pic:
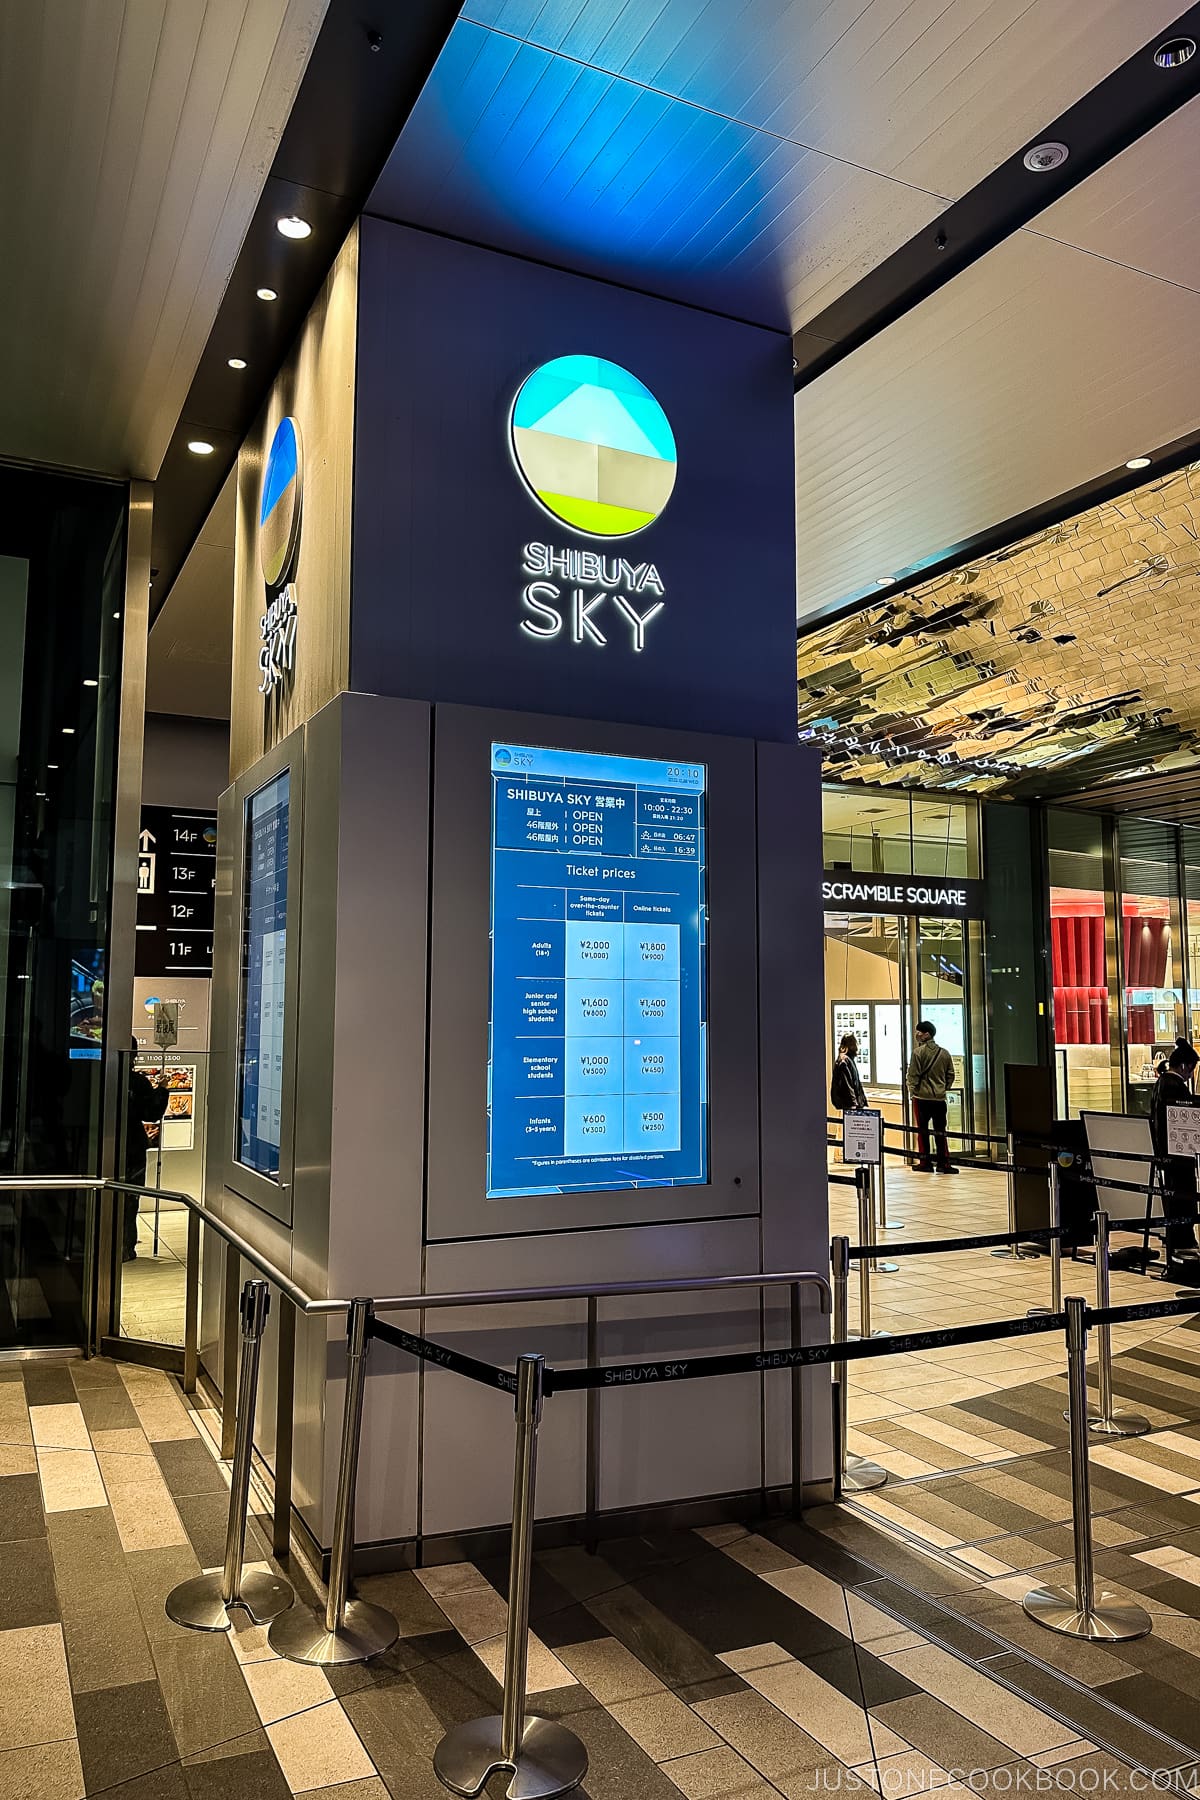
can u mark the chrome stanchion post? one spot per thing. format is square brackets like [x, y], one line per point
[545, 1758]
[348, 1630]
[1055, 1246]
[1106, 1420]
[854, 1474]
[888, 1224]
[1081, 1612]
[866, 1238]
[203, 1602]
[875, 1189]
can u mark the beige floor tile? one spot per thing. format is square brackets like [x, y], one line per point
[42, 1772]
[823, 1711]
[609, 1671]
[279, 1689]
[476, 1613]
[816, 1593]
[451, 1578]
[35, 1691]
[1046, 1759]
[319, 1748]
[907, 1772]
[59, 1427]
[247, 1640]
[145, 1514]
[1015, 1722]
[662, 1726]
[17, 1459]
[754, 1656]
[718, 1775]
[70, 1480]
[896, 1462]
[759, 1555]
[545, 1671]
[1167, 1481]
[872, 1627]
[127, 1440]
[14, 1414]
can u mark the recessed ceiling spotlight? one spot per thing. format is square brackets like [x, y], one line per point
[199, 447]
[1044, 157]
[1138, 462]
[89, 681]
[52, 765]
[293, 227]
[1175, 52]
[68, 731]
[267, 293]
[885, 581]
[237, 362]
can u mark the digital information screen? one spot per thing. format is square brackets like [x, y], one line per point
[264, 962]
[597, 1074]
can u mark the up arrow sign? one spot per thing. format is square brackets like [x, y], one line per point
[146, 840]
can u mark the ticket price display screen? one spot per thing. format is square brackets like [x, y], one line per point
[264, 962]
[597, 1074]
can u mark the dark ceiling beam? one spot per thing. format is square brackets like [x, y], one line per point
[1122, 108]
[368, 65]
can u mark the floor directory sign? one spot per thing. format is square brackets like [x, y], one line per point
[598, 1036]
[264, 961]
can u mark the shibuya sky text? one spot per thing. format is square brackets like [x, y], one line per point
[590, 596]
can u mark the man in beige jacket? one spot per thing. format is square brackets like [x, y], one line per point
[931, 1074]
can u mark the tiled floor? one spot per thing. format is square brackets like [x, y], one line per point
[875, 1646]
[915, 1414]
[152, 1286]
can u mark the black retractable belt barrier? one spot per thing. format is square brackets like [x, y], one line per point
[445, 1358]
[562, 1381]
[936, 1245]
[1153, 1309]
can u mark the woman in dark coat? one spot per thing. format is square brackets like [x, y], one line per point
[845, 1084]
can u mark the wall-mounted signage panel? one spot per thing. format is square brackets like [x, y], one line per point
[177, 865]
[598, 1055]
[928, 896]
[264, 973]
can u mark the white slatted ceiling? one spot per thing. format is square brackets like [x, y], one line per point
[1040, 368]
[135, 140]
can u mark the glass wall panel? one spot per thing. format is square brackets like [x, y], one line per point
[942, 999]
[1152, 1012]
[62, 595]
[944, 837]
[867, 831]
[1190, 858]
[1083, 965]
[864, 994]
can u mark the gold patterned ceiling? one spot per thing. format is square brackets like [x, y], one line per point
[1068, 659]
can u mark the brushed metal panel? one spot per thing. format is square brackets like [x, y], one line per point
[316, 387]
[708, 1435]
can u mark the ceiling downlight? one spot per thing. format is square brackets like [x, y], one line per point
[1045, 157]
[1174, 52]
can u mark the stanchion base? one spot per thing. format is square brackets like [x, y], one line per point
[551, 1759]
[1121, 1423]
[1013, 1252]
[861, 1474]
[855, 1336]
[301, 1634]
[1110, 1620]
[198, 1604]
[887, 1268]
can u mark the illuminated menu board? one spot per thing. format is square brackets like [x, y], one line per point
[264, 966]
[597, 1074]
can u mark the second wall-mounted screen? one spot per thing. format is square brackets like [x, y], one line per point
[598, 1047]
[264, 967]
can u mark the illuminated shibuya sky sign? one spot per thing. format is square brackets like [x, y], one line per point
[596, 451]
[278, 545]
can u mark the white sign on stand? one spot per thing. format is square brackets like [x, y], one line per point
[862, 1136]
[1183, 1130]
[166, 1024]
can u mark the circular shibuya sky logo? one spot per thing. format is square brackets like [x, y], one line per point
[594, 446]
[279, 510]
[278, 544]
